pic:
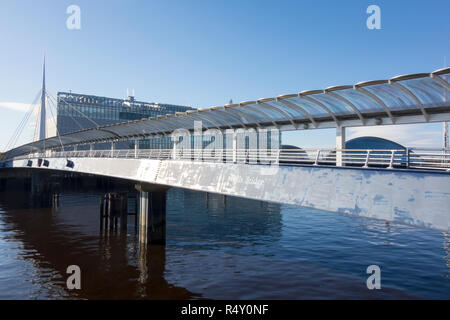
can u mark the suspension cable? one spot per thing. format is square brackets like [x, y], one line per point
[56, 125]
[74, 120]
[76, 109]
[19, 129]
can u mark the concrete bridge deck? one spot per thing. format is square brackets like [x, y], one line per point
[415, 197]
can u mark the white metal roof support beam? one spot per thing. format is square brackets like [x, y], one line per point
[409, 93]
[202, 118]
[321, 105]
[378, 100]
[243, 115]
[217, 119]
[298, 108]
[217, 110]
[351, 105]
[440, 80]
[287, 116]
[263, 114]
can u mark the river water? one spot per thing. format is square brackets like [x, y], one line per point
[216, 249]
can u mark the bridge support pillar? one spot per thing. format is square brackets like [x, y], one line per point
[152, 214]
[340, 145]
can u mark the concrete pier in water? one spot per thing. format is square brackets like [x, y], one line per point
[152, 213]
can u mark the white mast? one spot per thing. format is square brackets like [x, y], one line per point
[42, 115]
[445, 126]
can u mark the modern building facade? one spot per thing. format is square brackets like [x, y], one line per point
[76, 112]
[74, 109]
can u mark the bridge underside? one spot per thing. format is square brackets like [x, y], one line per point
[409, 197]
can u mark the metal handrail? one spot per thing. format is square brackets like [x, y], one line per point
[381, 158]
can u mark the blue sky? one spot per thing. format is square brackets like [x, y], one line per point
[204, 53]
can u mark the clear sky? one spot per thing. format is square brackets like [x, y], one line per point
[204, 52]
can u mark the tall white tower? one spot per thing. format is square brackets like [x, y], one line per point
[42, 116]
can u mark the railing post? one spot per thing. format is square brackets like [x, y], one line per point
[407, 157]
[366, 164]
[391, 162]
[113, 147]
[316, 162]
[235, 156]
[136, 148]
[175, 149]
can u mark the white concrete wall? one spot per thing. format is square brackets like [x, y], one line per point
[417, 198]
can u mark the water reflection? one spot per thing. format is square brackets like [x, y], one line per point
[113, 263]
[113, 266]
[216, 248]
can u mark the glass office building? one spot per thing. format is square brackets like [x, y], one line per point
[79, 111]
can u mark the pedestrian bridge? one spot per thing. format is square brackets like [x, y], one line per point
[377, 184]
[235, 151]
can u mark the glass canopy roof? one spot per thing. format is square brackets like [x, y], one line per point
[415, 95]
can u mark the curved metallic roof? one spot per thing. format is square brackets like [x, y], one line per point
[414, 98]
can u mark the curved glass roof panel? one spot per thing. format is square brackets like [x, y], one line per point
[362, 102]
[231, 117]
[427, 90]
[227, 118]
[255, 115]
[291, 111]
[216, 118]
[271, 112]
[394, 98]
[446, 77]
[335, 105]
[310, 107]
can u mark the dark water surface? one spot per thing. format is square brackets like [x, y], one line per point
[239, 249]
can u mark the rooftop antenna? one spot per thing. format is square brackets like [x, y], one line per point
[131, 98]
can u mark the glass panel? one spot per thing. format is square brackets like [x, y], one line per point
[181, 122]
[273, 114]
[395, 99]
[430, 92]
[362, 102]
[336, 106]
[309, 107]
[230, 117]
[294, 113]
[254, 116]
[446, 77]
[217, 118]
